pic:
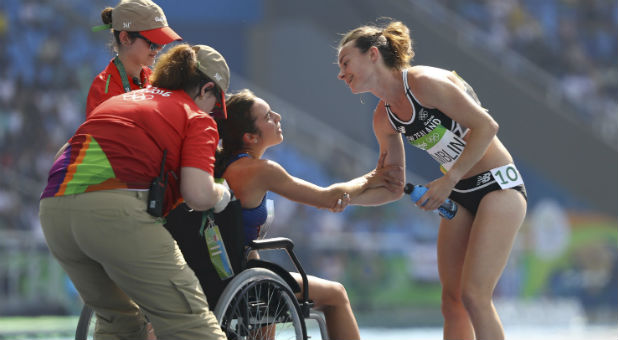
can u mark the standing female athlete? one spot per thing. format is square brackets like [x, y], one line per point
[95, 210]
[250, 129]
[140, 31]
[438, 112]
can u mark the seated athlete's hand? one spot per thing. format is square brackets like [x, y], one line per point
[341, 204]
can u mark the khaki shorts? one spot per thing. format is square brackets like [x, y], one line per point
[119, 257]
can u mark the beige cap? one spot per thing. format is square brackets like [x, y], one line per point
[143, 16]
[212, 64]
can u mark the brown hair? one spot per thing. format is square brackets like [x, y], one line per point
[231, 130]
[393, 41]
[106, 17]
[177, 69]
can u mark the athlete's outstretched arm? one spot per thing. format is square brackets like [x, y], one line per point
[273, 177]
[392, 161]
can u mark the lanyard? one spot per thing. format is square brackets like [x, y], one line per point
[123, 75]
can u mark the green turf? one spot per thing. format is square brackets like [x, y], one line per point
[41, 327]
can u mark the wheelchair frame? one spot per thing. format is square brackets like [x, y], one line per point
[254, 272]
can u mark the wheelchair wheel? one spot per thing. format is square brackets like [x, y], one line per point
[258, 304]
[85, 324]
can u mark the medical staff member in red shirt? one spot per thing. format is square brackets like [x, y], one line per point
[140, 31]
[93, 210]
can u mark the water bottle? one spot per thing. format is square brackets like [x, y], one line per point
[448, 209]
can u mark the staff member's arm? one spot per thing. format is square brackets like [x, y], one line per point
[200, 192]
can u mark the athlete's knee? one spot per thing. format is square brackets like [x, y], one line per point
[452, 304]
[475, 299]
[338, 294]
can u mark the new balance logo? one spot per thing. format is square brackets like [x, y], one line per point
[483, 179]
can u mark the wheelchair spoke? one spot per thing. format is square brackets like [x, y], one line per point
[261, 307]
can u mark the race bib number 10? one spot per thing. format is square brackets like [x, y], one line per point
[507, 176]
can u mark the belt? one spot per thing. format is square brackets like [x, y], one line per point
[139, 194]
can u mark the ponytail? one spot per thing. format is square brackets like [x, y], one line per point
[106, 15]
[177, 69]
[392, 41]
[398, 36]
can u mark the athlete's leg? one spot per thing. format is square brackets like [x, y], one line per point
[493, 232]
[332, 298]
[452, 244]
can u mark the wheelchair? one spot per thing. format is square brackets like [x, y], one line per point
[258, 303]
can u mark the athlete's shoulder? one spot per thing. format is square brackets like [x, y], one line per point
[381, 123]
[422, 74]
[256, 170]
[267, 166]
[426, 82]
[379, 113]
[380, 108]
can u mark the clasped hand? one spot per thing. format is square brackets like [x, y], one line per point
[390, 177]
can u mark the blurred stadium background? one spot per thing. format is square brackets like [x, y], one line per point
[546, 70]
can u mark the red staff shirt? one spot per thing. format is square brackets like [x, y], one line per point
[109, 83]
[121, 145]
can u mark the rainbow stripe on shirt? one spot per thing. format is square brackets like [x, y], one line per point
[82, 167]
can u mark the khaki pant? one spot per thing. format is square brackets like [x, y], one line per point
[119, 257]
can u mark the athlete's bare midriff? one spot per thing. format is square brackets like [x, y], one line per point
[495, 156]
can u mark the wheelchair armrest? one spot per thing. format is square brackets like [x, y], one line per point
[288, 245]
[272, 243]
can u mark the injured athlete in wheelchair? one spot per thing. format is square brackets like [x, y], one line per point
[216, 246]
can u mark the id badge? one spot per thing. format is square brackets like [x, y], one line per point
[216, 248]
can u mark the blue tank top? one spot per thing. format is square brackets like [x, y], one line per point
[253, 218]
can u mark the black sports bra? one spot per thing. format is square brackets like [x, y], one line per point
[430, 130]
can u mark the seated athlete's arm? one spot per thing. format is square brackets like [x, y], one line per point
[271, 176]
[275, 178]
